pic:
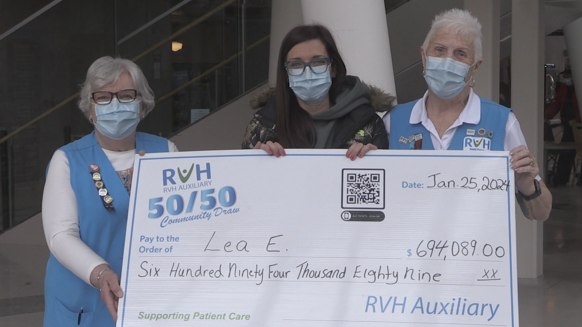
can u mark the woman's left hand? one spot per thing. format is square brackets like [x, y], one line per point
[359, 150]
[107, 281]
[526, 168]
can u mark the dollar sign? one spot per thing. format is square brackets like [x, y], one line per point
[409, 252]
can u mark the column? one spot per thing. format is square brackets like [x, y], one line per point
[487, 76]
[573, 36]
[527, 95]
[285, 15]
[361, 33]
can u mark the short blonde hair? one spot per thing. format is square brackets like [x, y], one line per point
[106, 71]
[461, 22]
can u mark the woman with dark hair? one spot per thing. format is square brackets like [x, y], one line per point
[315, 104]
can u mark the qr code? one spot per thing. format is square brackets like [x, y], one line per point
[363, 189]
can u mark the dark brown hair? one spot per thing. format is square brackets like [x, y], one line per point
[294, 125]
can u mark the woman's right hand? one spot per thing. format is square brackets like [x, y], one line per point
[107, 281]
[358, 150]
[271, 148]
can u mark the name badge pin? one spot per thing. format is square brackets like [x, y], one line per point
[96, 176]
[471, 132]
[108, 199]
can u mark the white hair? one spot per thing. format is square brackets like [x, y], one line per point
[460, 22]
[106, 71]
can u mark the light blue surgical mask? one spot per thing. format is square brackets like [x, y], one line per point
[310, 87]
[445, 76]
[117, 120]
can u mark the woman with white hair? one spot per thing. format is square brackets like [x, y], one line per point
[450, 116]
[86, 196]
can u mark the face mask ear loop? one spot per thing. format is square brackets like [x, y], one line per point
[90, 118]
[471, 81]
[423, 64]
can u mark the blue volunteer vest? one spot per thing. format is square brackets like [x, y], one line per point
[101, 229]
[488, 134]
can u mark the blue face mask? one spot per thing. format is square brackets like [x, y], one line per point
[310, 87]
[445, 76]
[117, 120]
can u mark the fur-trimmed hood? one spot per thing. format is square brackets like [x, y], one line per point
[379, 100]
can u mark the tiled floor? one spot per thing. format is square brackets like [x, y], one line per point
[553, 300]
[23, 257]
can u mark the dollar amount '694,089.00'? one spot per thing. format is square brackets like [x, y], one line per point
[462, 249]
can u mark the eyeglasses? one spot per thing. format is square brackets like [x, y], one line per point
[123, 96]
[317, 65]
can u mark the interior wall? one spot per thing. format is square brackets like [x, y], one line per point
[527, 90]
[222, 130]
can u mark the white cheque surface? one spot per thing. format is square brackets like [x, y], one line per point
[398, 238]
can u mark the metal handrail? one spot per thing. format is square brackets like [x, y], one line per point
[197, 78]
[153, 21]
[184, 29]
[419, 62]
[29, 19]
[159, 44]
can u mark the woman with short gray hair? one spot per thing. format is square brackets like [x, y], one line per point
[86, 196]
[450, 116]
[106, 71]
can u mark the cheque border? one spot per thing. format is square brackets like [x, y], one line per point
[450, 154]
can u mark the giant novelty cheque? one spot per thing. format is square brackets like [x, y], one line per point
[241, 238]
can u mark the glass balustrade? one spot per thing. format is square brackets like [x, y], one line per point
[211, 50]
